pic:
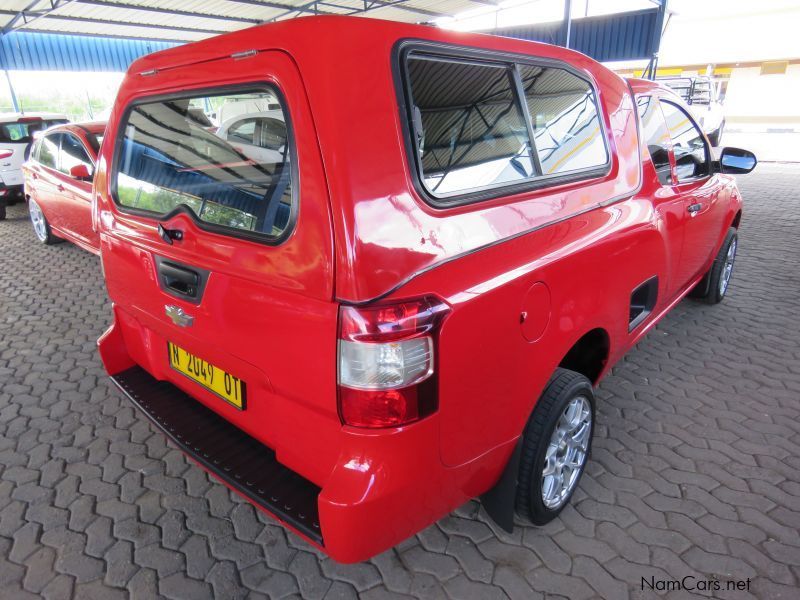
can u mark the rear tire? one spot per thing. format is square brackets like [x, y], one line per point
[556, 445]
[2, 209]
[40, 225]
[713, 287]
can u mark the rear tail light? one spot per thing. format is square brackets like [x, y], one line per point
[387, 364]
[6, 153]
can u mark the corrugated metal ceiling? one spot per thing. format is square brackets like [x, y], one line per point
[47, 23]
[189, 20]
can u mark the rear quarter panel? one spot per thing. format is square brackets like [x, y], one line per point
[490, 374]
[589, 242]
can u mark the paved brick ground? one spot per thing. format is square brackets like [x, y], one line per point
[696, 467]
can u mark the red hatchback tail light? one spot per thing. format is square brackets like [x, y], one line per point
[6, 153]
[386, 354]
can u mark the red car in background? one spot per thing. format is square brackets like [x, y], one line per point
[58, 183]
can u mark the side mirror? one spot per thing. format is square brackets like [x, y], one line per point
[80, 171]
[736, 160]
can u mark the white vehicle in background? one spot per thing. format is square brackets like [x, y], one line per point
[260, 135]
[245, 104]
[16, 137]
[704, 96]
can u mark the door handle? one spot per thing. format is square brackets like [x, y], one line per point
[694, 208]
[179, 280]
[60, 187]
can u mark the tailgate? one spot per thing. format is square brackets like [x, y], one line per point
[218, 251]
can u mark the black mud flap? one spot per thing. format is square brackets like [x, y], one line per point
[499, 502]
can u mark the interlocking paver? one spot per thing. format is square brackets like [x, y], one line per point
[696, 466]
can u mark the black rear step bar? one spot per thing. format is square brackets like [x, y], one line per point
[230, 454]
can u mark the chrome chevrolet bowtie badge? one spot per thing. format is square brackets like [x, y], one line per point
[178, 315]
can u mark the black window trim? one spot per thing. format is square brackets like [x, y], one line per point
[90, 137]
[249, 87]
[709, 155]
[480, 56]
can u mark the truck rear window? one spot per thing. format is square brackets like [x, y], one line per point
[173, 154]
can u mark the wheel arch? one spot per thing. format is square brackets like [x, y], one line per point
[589, 354]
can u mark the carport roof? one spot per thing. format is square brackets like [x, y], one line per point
[189, 20]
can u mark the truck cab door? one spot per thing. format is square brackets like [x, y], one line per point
[699, 189]
[667, 202]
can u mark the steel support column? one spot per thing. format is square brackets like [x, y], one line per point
[14, 101]
[655, 40]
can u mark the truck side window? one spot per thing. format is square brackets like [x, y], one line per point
[72, 154]
[469, 127]
[273, 134]
[654, 132]
[48, 151]
[688, 143]
[566, 123]
[169, 160]
[35, 149]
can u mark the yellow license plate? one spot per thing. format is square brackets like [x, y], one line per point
[223, 384]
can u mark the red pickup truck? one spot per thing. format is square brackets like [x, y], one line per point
[393, 285]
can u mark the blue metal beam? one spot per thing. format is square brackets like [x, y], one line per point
[622, 36]
[27, 51]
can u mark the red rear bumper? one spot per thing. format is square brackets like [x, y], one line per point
[385, 486]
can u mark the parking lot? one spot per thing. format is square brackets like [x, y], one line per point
[695, 469]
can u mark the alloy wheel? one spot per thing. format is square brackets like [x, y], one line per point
[566, 452]
[37, 218]
[727, 268]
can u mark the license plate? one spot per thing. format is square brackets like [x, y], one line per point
[223, 384]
